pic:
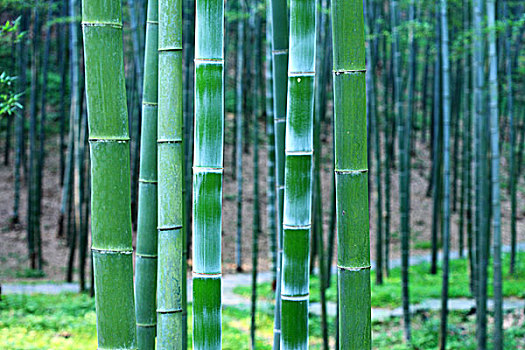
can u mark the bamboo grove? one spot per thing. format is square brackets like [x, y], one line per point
[324, 146]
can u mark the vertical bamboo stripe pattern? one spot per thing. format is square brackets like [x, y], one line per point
[207, 173]
[171, 273]
[297, 211]
[146, 256]
[110, 169]
[351, 173]
[279, 19]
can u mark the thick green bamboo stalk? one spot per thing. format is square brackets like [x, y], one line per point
[170, 271]
[146, 256]
[279, 18]
[208, 173]
[110, 168]
[495, 187]
[351, 171]
[297, 211]
[446, 169]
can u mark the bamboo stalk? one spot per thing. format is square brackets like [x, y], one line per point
[403, 128]
[170, 177]
[147, 256]
[297, 211]
[279, 18]
[110, 169]
[208, 174]
[351, 173]
[495, 182]
[446, 169]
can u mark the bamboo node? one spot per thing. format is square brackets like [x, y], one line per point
[112, 251]
[146, 325]
[102, 24]
[144, 181]
[202, 169]
[300, 74]
[110, 139]
[205, 275]
[351, 172]
[296, 297]
[209, 60]
[299, 153]
[169, 228]
[169, 311]
[170, 48]
[153, 104]
[354, 268]
[296, 227]
[146, 256]
[169, 141]
[348, 71]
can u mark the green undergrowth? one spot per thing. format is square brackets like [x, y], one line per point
[423, 285]
[67, 322]
[461, 332]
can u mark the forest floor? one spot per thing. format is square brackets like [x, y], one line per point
[14, 264]
[67, 322]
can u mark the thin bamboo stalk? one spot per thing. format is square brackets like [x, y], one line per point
[147, 255]
[239, 71]
[270, 144]
[279, 18]
[495, 182]
[403, 129]
[446, 169]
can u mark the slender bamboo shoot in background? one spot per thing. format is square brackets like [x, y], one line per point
[482, 215]
[239, 71]
[20, 116]
[270, 145]
[279, 18]
[208, 173]
[146, 256]
[495, 170]
[351, 171]
[446, 169]
[110, 169]
[404, 130]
